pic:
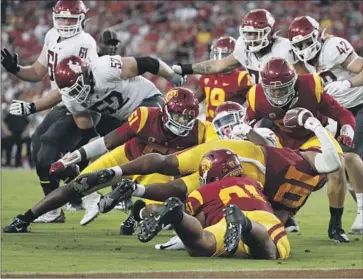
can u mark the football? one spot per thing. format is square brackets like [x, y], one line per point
[291, 118]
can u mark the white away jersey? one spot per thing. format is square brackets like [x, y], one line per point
[334, 52]
[112, 95]
[54, 50]
[254, 64]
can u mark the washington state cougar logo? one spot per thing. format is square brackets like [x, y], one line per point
[75, 67]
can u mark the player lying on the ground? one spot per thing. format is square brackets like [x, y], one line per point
[165, 130]
[341, 69]
[275, 168]
[230, 214]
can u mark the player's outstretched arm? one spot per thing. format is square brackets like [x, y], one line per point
[328, 160]
[35, 72]
[208, 67]
[132, 67]
[47, 101]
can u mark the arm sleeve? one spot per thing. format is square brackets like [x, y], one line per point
[331, 108]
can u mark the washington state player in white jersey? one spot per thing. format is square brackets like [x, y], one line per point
[256, 45]
[51, 137]
[339, 66]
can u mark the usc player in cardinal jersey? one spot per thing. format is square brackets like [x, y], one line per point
[230, 215]
[282, 89]
[289, 176]
[164, 131]
[228, 86]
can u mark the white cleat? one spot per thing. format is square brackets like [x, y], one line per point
[53, 216]
[90, 203]
[357, 227]
[173, 243]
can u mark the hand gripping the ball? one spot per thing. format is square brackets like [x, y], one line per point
[301, 117]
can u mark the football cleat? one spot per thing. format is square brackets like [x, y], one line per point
[291, 225]
[17, 226]
[151, 225]
[357, 227]
[53, 216]
[123, 191]
[173, 243]
[129, 226]
[236, 222]
[91, 205]
[338, 235]
[73, 206]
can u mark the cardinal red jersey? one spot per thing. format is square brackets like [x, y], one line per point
[219, 88]
[310, 95]
[290, 178]
[144, 132]
[243, 192]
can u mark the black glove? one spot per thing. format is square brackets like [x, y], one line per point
[9, 61]
[183, 69]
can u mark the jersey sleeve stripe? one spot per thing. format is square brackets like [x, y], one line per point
[318, 87]
[252, 98]
[196, 195]
[241, 76]
[143, 117]
[273, 228]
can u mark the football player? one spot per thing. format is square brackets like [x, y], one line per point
[247, 227]
[51, 138]
[282, 89]
[272, 167]
[341, 69]
[255, 46]
[108, 43]
[166, 130]
[229, 123]
[227, 86]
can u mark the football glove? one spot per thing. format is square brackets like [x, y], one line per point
[9, 61]
[22, 108]
[346, 135]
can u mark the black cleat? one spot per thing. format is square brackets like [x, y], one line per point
[236, 222]
[151, 225]
[17, 226]
[129, 226]
[123, 191]
[338, 235]
[291, 225]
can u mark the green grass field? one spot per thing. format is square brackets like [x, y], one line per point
[98, 248]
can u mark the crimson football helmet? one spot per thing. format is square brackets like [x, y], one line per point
[223, 47]
[180, 111]
[218, 164]
[72, 76]
[257, 29]
[278, 82]
[305, 37]
[69, 17]
[228, 115]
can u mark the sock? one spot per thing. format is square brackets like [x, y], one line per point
[140, 191]
[29, 216]
[359, 203]
[336, 217]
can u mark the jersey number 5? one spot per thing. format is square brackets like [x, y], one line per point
[109, 105]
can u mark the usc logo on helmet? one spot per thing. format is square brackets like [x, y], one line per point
[205, 165]
[171, 94]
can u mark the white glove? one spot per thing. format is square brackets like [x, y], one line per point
[22, 108]
[312, 123]
[241, 130]
[337, 87]
[346, 135]
[177, 69]
[71, 158]
[178, 80]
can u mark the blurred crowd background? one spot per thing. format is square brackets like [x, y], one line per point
[174, 31]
